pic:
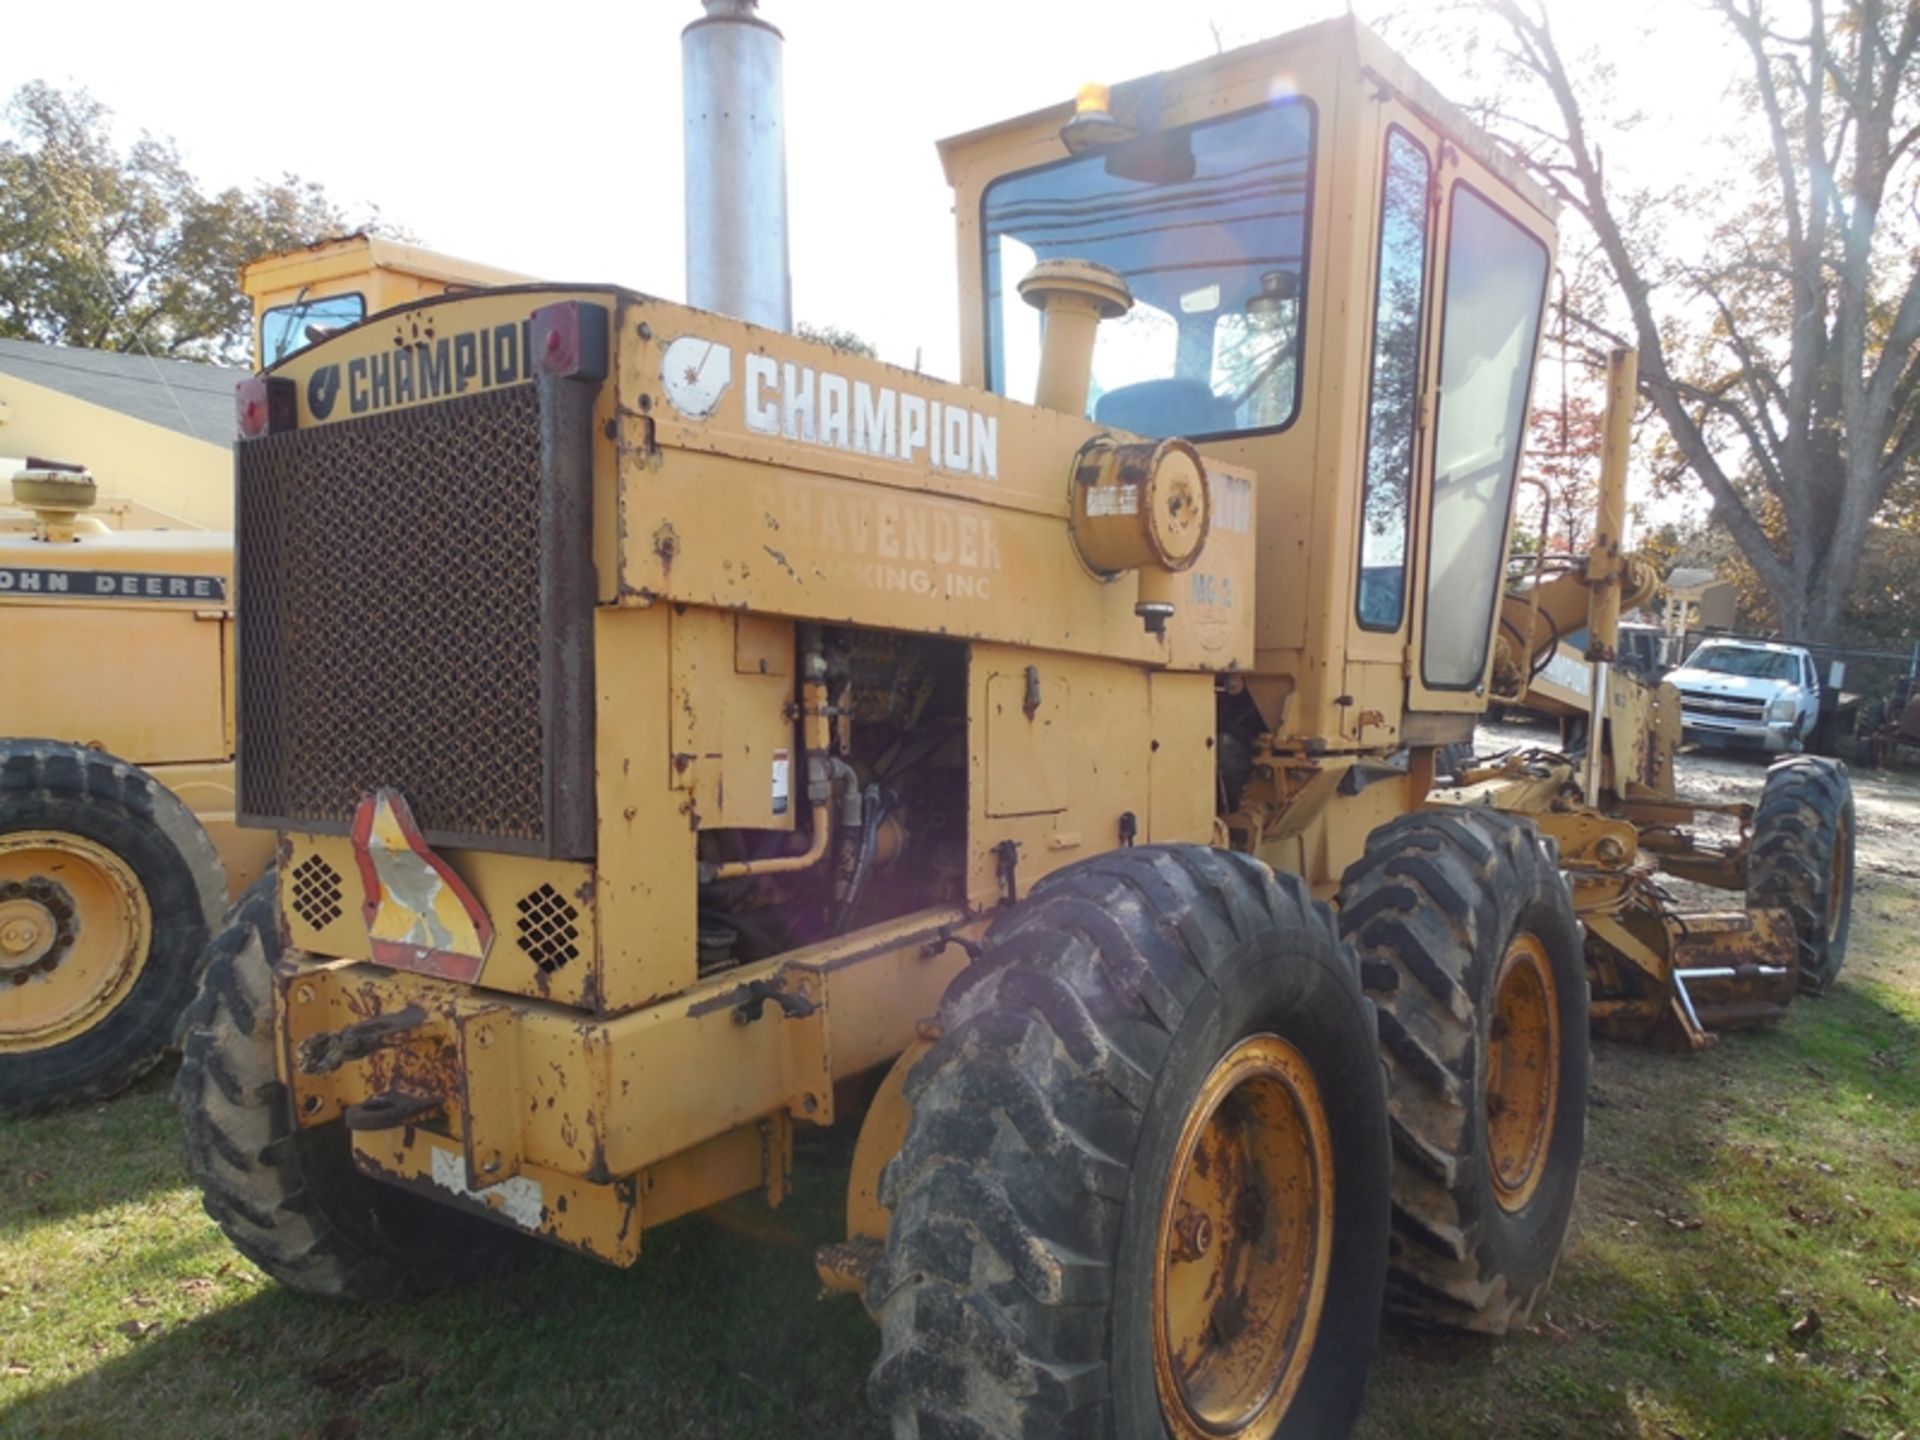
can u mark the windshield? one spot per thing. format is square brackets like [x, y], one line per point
[1738, 660]
[1208, 224]
[286, 329]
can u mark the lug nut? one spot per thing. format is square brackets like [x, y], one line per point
[1192, 1234]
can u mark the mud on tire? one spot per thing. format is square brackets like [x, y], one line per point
[1015, 1294]
[1434, 909]
[1802, 860]
[46, 785]
[291, 1200]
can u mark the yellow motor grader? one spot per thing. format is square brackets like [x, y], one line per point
[118, 851]
[669, 722]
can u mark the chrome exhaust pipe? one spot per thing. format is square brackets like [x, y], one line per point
[736, 165]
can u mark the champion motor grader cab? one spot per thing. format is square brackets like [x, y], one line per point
[668, 721]
[118, 851]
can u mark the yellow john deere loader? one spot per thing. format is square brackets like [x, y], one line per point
[668, 721]
[118, 850]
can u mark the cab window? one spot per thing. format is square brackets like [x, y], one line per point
[288, 329]
[1208, 224]
[1393, 388]
[1490, 323]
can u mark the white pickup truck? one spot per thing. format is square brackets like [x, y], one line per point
[1756, 694]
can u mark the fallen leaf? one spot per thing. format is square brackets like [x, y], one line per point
[14, 1367]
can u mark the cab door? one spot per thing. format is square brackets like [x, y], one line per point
[1495, 255]
[1382, 526]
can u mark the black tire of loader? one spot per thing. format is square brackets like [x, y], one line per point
[1431, 909]
[50, 785]
[291, 1200]
[1806, 805]
[1015, 1295]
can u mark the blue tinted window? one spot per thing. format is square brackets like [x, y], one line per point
[1208, 225]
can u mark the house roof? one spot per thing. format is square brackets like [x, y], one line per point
[1694, 579]
[186, 396]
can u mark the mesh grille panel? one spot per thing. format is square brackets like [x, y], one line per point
[316, 892]
[390, 631]
[548, 933]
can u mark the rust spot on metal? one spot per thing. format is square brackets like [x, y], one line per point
[666, 544]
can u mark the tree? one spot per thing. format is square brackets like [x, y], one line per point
[1783, 354]
[124, 251]
[837, 336]
[1563, 454]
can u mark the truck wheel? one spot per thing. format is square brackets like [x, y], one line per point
[1143, 1189]
[291, 1200]
[1802, 860]
[108, 889]
[1469, 947]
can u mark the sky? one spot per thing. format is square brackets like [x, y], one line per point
[553, 147]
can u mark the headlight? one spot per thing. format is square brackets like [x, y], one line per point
[1783, 710]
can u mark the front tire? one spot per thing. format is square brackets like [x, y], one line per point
[1802, 860]
[109, 888]
[289, 1199]
[1469, 946]
[1143, 1190]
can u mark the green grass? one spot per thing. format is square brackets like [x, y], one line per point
[1726, 1197]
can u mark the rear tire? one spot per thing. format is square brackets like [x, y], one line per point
[1084, 1079]
[291, 1200]
[1469, 947]
[92, 847]
[1802, 860]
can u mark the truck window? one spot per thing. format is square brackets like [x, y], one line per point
[1208, 224]
[1490, 321]
[1393, 393]
[287, 329]
[1747, 662]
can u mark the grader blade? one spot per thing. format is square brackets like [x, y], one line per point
[1681, 977]
[1735, 970]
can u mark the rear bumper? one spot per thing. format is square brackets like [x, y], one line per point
[586, 1128]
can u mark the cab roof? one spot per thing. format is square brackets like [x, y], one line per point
[1375, 59]
[358, 253]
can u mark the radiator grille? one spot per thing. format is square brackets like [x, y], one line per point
[390, 620]
[1722, 707]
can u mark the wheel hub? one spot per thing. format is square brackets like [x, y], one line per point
[36, 927]
[75, 927]
[1523, 1072]
[1245, 1245]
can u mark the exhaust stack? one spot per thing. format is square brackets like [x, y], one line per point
[736, 165]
